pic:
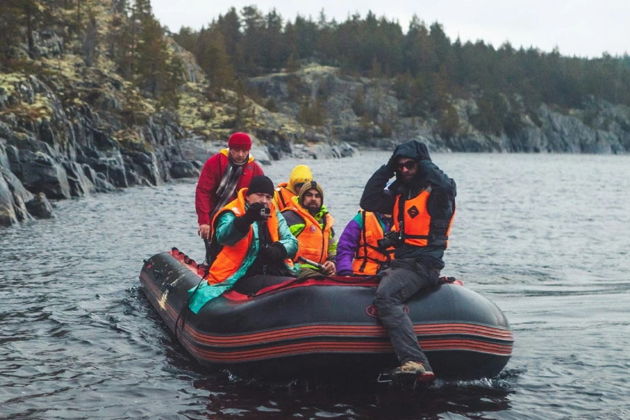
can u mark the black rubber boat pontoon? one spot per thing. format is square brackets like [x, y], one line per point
[285, 327]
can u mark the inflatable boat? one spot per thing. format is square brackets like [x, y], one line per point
[285, 327]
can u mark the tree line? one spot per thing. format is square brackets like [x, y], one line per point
[427, 68]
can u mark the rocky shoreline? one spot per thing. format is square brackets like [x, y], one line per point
[367, 112]
[81, 130]
[72, 150]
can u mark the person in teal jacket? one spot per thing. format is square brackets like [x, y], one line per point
[252, 232]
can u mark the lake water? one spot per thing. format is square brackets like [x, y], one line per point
[546, 237]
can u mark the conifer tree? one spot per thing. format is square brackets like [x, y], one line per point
[10, 15]
[214, 60]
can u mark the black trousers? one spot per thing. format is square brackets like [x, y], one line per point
[399, 282]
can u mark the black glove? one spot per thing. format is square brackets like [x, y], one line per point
[391, 165]
[255, 212]
[273, 252]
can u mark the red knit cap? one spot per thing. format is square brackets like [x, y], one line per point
[240, 141]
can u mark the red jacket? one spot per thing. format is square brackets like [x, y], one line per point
[209, 180]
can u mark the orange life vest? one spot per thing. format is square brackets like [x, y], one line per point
[415, 224]
[313, 240]
[368, 258]
[230, 257]
[282, 197]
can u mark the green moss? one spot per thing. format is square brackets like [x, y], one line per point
[40, 109]
[8, 82]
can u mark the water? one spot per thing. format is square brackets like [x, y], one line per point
[546, 237]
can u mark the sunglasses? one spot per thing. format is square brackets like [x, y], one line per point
[410, 164]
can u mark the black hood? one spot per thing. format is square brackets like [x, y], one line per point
[412, 149]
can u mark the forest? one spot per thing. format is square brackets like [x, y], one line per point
[426, 68]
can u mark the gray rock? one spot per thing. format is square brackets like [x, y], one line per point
[195, 148]
[4, 159]
[7, 209]
[146, 166]
[132, 176]
[102, 184]
[184, 169]
[260, 154]
[112, 167]
[5, 130]
[42, 174]
[20, 195]
[40, 207]
[80, 184]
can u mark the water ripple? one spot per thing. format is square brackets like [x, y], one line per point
[79, 340]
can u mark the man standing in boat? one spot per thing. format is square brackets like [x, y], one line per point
[312, 225]
[222, 176]
[422, 202]
[250, 237]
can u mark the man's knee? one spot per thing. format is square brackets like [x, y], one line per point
[429, 276]
[382, 300]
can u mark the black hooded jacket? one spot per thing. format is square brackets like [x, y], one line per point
[441, 205]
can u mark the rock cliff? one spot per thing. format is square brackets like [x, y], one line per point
[367, 113]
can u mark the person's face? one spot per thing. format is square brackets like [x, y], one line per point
[406, 169]
[238, 154]
[312, 200]
[259, 198]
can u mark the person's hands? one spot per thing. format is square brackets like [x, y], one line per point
[204, 231]
[256, 211]
[274, 252]
[329, 268]
[391, 166]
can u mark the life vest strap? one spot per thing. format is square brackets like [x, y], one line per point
[405, 236]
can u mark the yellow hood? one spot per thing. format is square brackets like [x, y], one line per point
[299, 174]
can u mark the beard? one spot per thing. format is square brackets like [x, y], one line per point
[312, 207]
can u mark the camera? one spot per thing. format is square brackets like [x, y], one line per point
[390, 239]
[265, 212]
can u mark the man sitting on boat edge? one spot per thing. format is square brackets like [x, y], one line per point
[422, 204]
[250, 237]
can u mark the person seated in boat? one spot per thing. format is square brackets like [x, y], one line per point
[250, 237]
[312, 225]
[422, 203]
[358, 250]
[287, 190]
[222, 176]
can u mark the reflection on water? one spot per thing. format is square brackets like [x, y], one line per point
[546, 237]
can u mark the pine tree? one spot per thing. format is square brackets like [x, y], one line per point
[213, 58]
[10, 15]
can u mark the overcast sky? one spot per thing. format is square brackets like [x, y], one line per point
[585, 28]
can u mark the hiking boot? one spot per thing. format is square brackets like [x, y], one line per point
[422, 373]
